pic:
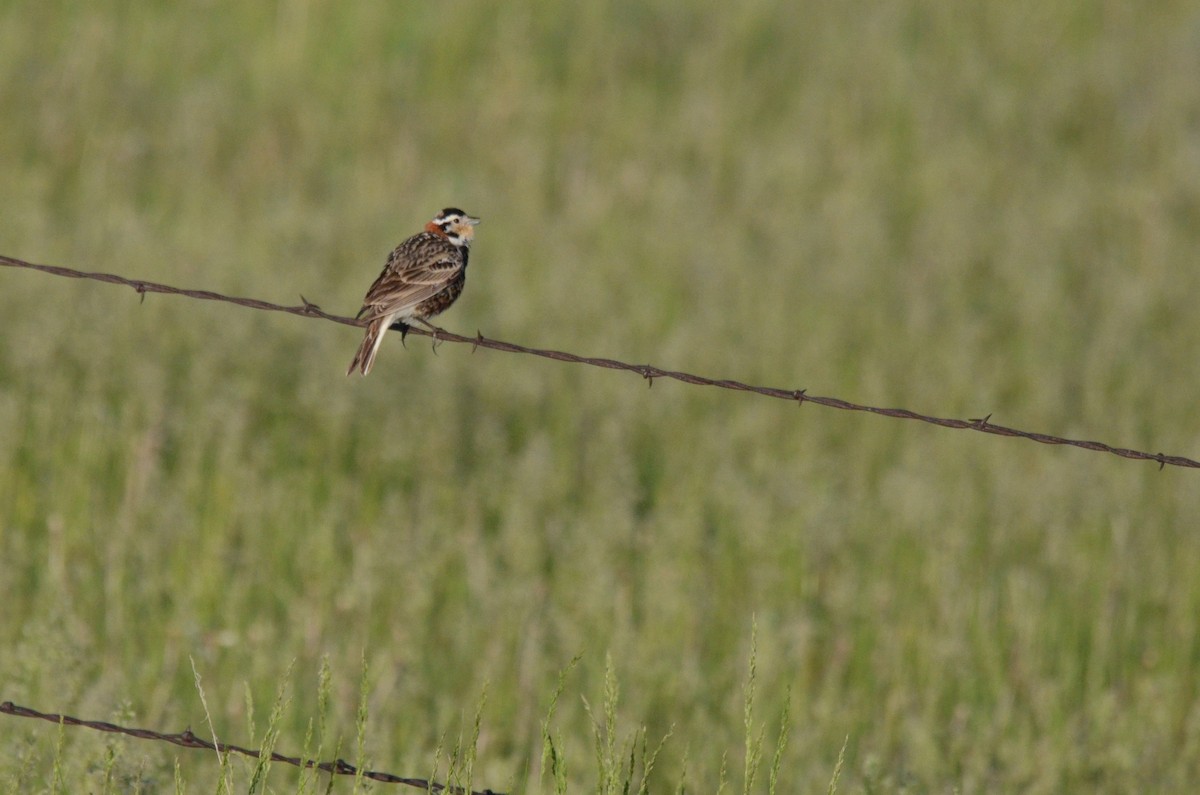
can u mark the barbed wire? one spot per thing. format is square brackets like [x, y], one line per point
[646, 371]
[186, 739]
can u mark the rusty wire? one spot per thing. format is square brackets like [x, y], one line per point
[646, 371]
[186, 739]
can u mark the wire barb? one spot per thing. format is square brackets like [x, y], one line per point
[646, 371]
[186, 739]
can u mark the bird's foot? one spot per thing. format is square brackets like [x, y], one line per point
[433, 330]
[403, 328]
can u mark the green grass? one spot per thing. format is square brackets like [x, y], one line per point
[954, 210]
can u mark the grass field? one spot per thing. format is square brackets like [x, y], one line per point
[957, 209]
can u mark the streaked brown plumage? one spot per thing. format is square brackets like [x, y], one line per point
[423, 276]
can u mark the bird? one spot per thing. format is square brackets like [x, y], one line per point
[423, 276]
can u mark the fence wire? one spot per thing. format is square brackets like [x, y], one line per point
[646, 371]
[186, 739]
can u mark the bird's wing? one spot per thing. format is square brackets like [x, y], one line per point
[402, 286]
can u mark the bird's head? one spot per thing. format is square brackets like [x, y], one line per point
[454, 225]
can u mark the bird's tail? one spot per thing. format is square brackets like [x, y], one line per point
[370, 346]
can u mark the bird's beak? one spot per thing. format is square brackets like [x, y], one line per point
[472, 221]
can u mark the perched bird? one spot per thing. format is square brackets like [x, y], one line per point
[423, 276]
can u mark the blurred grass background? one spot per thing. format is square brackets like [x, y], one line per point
[958, 210]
